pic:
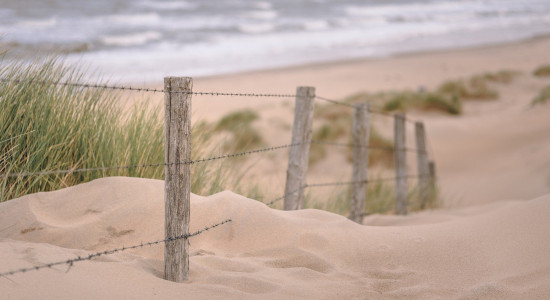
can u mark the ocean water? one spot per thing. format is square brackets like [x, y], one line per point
[144, 40]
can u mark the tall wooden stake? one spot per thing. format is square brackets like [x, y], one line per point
[400, 165]
[361, 128]
[299, 155]
[177, 184]
[422, 164]
[432, 180]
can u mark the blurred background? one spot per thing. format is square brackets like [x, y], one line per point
[144, 40]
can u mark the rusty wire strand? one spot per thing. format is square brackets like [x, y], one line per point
[70, 262]
[374, 111]
[382, 148]
[192, 162]
[134, 89]
[82, 170]
[325, 184]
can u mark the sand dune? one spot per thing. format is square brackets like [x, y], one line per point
[501, 252]
[489, 241]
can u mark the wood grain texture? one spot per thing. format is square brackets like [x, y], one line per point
[400, 165]
[299, 155]
[177, 176]
[422, 163]
[361, 132]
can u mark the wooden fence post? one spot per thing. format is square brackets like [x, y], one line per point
[361, 131]
[299, 155]
[431, 167]
[432, 179]
[400, 165]
[177, 184]
[422, 164]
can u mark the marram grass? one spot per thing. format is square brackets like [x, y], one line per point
[48, 127]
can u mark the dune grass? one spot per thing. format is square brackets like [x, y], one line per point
[53, 127]
[335, 124]
[380, 199]
[427, 101]
[542, 71]
[239, 125]
[446, 98]
[403, 101]
[477, 87]
[542, 97]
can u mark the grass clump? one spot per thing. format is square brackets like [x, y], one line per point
[542, 97]
[380, 199]
[406, 100]
[542, 71]
[502, 76]
[336, 125]
[46, 127]
[239, 125]
[474, 88]
[381, 152]
[477, 87]
[446, 98]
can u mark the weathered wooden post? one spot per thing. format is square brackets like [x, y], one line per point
[400, 164]
[299, 154]
[422, 164]
[177, 184]
[361, 131]
[432, 180]
[431, 167]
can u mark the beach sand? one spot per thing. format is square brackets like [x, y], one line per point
[490, 240]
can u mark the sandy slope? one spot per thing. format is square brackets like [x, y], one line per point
[491, 241]
[495, 151]
[501, 252]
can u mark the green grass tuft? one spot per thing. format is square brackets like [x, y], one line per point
[336, 123]
[239, 124]
[502, 76]
[427, 101]
[542, 97]
[475, 88]
[380, 199]
[542, 71]
[53, 127]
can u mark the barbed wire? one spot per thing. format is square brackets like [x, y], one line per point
[201, 160]
[192, 162]
[371, 110]
[285, 195]
[200, 93]
[382, 148]
[152, 90]
[334, 101]
[246, 153]
[70, 262]
[337, 183]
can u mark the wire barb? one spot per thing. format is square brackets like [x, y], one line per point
[325, 184]
[134, 89]
[82, 170]
[390, 149]
[334, 101]
[374, 111]
[70, 262]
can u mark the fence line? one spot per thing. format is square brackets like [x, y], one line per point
[176, 90]
[70, 262]
[337, 183]
[390, 149]
[201, 160]
[374, 111]
[192, 162]
[151, 90]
